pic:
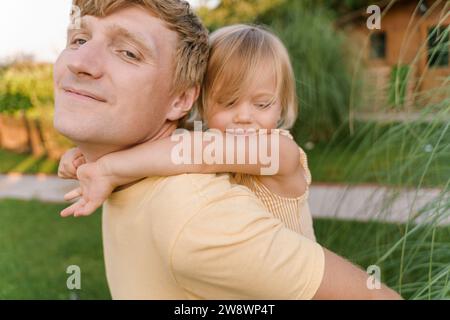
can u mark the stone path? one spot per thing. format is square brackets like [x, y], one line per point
[362, 202]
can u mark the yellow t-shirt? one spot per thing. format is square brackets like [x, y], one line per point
[195, 236]
[293, 212]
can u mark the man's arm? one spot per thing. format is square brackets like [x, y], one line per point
[344, 281]
[234, 249]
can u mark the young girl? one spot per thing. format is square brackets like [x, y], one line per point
[249, 87]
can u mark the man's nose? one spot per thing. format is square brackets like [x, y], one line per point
[243, 114]
[87, 61]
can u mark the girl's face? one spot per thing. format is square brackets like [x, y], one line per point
[259, 108]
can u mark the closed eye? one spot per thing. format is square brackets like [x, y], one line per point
[230, 104]
[264, 105]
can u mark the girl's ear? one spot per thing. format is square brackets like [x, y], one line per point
[183, 104]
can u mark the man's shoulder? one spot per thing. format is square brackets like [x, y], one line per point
[202, 187]
[189, 199]
[191, 202]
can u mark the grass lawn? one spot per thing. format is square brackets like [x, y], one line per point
[341, 164]
[36, 247]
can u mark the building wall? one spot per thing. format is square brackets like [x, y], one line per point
[406, 43]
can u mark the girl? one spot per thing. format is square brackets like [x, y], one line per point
[248, 91]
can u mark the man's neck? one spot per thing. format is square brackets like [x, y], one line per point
[93, 152]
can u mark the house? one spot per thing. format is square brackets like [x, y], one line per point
[408, 57]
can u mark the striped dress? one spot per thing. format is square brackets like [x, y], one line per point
[293, 212]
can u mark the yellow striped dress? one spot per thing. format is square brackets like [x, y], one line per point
[293, 212]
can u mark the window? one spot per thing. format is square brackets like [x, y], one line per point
[378, 45]
[438, 46]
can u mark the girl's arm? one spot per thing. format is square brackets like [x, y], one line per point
[270, 154]
[193, 152]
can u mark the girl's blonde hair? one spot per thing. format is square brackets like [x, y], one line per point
[237, 52]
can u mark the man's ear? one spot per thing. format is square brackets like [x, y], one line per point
[183, 103]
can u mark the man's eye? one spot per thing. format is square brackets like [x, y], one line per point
[79, 41]
[129, 55]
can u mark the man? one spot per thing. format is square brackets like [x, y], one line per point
[127, 76]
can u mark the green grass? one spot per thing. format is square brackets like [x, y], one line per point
[36, 247]
[397, 154]
[425, 256]
[26, 164]
[333, 164]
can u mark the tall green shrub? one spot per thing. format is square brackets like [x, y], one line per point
[398, 84]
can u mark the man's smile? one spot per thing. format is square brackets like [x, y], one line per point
[82, 94]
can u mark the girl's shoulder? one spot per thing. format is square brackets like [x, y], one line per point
[303, 157]
[284, 132]
[304, 164]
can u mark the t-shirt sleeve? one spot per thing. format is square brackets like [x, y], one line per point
[304, 163]
[234, 249]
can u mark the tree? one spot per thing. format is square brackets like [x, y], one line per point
[25, 86]
[248, 11]
[235, 11]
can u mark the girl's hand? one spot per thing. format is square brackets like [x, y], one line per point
[69, 164]
[95, 187]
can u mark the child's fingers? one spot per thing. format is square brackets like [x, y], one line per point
[86, 210]
[72, 209]
[67, 212]
[63, 172]
[69, 196]
[67, 171]
[78, 162]
[77, 153]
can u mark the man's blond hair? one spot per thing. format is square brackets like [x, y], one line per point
[191, 56]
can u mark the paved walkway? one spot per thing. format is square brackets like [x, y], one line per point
[366, 202]
[363, 202]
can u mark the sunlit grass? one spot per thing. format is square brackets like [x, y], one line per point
[37, 246]
[386, 154]
[26, 163]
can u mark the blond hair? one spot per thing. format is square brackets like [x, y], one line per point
[236, 54]
[191, 56]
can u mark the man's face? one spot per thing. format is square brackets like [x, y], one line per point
[113, 80]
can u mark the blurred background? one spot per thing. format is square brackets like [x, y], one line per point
[374, 121]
